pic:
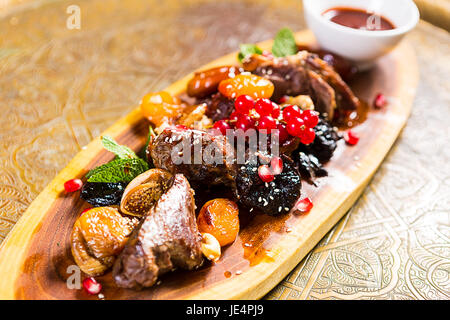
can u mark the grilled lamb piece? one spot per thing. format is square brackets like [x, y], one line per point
[305, 73]
[166, 239]
[181, 150]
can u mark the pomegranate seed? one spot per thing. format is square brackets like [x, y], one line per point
[267, 54]
[92, 286]
[264, 107]
[351, 138]
[267, 123]
[295, 127]
[84, 211]
[304, 205]
[276, 165]
[222, 126]
[283, 99]
[73, 185]
[380, 101]
[308, 135]
[291, 112]
[283, 134]
[265, 173]
[181, 127]
[310, 118]
[243, 104]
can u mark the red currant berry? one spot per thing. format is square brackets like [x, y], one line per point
[308, 135]
[351, 137]
[244, 122]
[264, 107]
[92, 286]
[222, 126]
[310, 118]
[276, 165]
[291, 112]
[283, 134]
[295, 127]
[233, 118]
[73, 185]
[276, 111]
[243, 104]
[267, 123]
[265, 173]
[304, 205]
[380, 101]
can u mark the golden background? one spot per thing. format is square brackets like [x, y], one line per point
[60, 88]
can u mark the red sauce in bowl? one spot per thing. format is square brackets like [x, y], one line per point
[358, 19]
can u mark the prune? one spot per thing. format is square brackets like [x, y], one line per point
[219, 106]
[308, 165]
[325, 142]
[272, 198]
[101, 194]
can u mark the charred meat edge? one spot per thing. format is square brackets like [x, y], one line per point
[166, 239]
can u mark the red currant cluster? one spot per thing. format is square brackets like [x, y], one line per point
[264, 114]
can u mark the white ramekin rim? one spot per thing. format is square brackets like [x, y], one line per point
[414, 19]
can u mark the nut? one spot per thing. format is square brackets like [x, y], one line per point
[252, 62]
[210, 247]
[192, 115]
[303, 101]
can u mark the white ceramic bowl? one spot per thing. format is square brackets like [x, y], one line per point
[361, 46]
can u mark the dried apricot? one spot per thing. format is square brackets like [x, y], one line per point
[205, 82]
[98, 236]
[160, 107]
[220, 218]
[246, 84]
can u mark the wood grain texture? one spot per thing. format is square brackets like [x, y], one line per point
[35, 254]
[436, 12]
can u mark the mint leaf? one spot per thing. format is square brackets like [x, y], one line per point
[248, 49]
[122, 152]
[284, 43]
[118, 170]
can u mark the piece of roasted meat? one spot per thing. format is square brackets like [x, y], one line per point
[306, 74]
[204, 158]
[165, 239]
[273, 198]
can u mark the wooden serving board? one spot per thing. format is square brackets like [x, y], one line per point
[36, 254]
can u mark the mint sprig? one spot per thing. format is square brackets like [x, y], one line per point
[122, 152]
[247, 49]
[284, 43]
[118, 170]
[123, 168]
